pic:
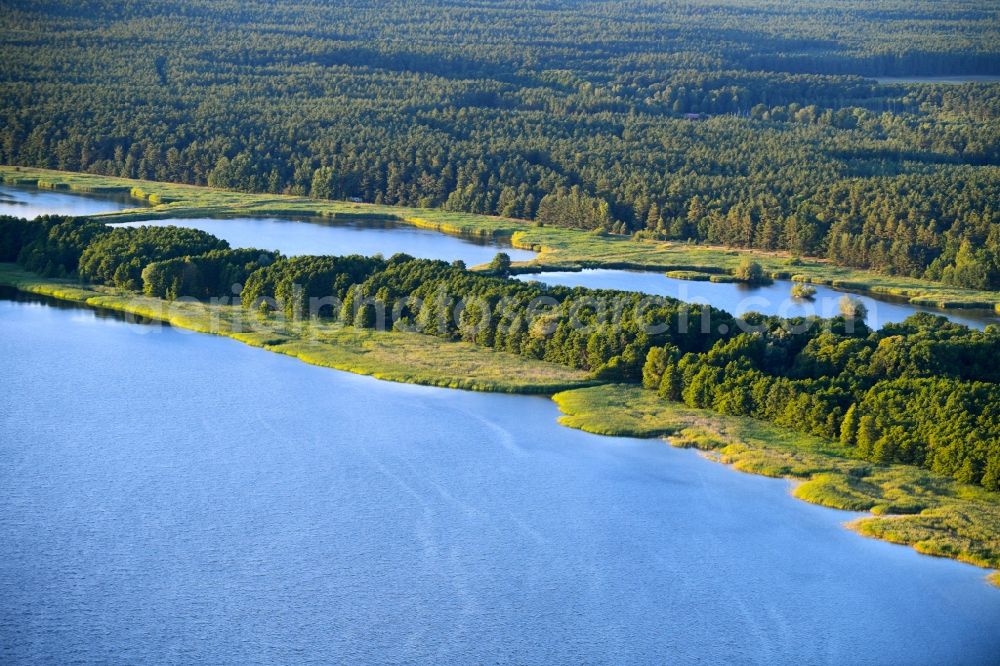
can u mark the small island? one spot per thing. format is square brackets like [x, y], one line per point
[803, 291]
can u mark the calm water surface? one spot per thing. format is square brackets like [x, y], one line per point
[32, 202]
[340, 238]
[169, 497]
[735, 298]
[289, 236]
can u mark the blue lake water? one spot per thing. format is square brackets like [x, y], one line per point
[339, 238]
[32, 202]
[735, 298]
[171, 497]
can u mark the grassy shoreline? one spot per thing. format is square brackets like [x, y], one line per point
[559, 249]
[909, 506]
[410, 358]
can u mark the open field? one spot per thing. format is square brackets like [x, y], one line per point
[401, 357]
[933, 514]
[560, 249]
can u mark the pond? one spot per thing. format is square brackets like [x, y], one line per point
[735, 298]
[171, 497]
[315, 236]
[32, 202]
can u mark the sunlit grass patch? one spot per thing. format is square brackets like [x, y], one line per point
[396, 356]
[908, 505]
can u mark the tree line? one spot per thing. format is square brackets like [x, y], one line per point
[923, 392]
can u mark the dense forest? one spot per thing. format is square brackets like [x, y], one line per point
[749, 123]
[923, 392]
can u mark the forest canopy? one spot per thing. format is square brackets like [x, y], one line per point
[745, 123]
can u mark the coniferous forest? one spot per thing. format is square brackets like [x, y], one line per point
[750, 124]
